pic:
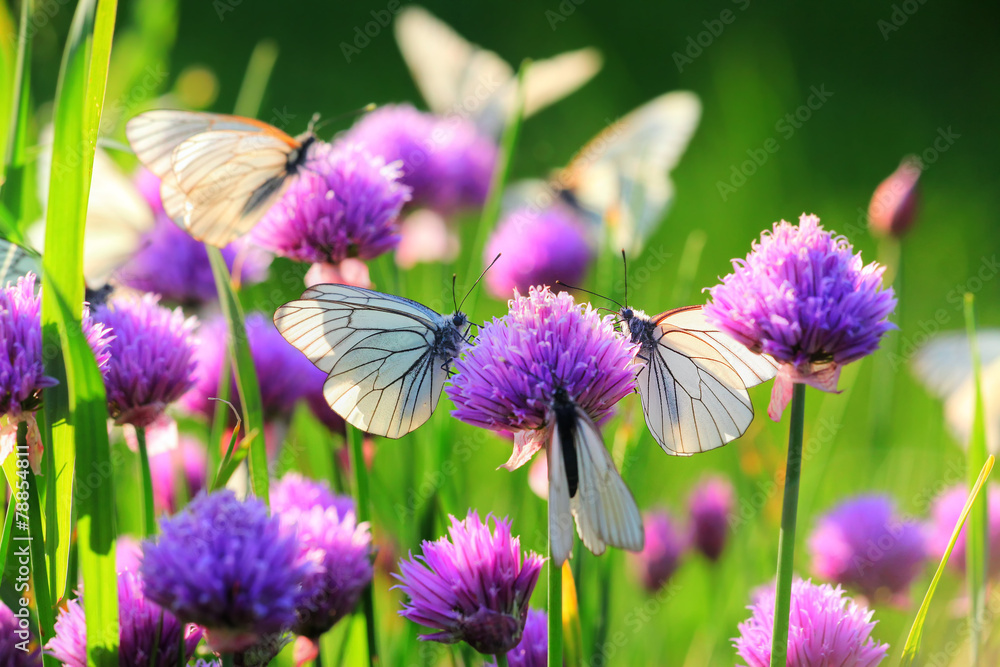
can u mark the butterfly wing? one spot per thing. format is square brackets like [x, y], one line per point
[16, 262]
[379, 352]
[621, 177]
[602, 505]
[694, 383]
[551, 79]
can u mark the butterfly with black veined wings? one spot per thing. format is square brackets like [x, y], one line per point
[452, 72]
[386, 357]
[219, 173]
[694, 379]
[584, 484]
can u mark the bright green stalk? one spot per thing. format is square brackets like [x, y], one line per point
[355, 443]
[977, 552]
[555, 626]
[501, 659]
[258, 73]
[15, 161]
[148, 510]
[786, 539]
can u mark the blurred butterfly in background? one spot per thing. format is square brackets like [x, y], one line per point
[16, 262]
[386, 357]
[219, 173]
[944, 367]
[694, 380]
[456, 76]
[118, 216]
[619, 182]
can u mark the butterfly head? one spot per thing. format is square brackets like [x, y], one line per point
[638, 326]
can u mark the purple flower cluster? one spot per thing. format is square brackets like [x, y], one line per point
[327, 533]
[805, 298]
[664, 545]
[547, 342]
[825, 629]
[944, 515]
[536, 248]
[229, 567]
[173, 264]
[152, 358]
[446, 161]
[148, 634]
[862, 544]
[344, 204]
[11, 653]
[473, 588]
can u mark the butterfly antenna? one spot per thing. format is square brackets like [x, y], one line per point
[625, 265]
[477, 281]
[454, 297]
[314, 124]
[587, 291]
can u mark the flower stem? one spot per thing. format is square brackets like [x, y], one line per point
[148, 509]
[361, 495]
[555, 609]
[786, 539]
[501, 659]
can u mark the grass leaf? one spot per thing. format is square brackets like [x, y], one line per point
[912, 645]
[13, 195]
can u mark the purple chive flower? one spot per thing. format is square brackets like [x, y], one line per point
[148, 633]
[533, 649]
[547, 342]
[945, 511]
[894, 204]
[152, 358]
[446, 161]
[803, 297]
[15, 642]
[826, 628]
[285, 374]
[171, 263]
[536, 248]
[710, 506]
[227, 566]
[663, 549]
[862, 544]
[327, 532]
[473, 588]
[345, 204]
[189, 461]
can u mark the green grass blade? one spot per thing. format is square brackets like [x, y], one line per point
[246, 375]
[912, 646]
[255, 79]
[977, 551]
[76, 410]
[13, 195]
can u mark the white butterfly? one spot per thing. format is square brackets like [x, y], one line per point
[455, 76]
[584, 484]
[117, 215]
[16, 262]
[220, 173]
[944, 366]
[386, 357]
[694, 380]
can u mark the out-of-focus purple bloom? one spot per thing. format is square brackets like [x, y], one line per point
[663, 549]
[825, 628]
[152, 358]
[536, 248]
[344, 204]
[189, 462]
[805, 298]
[426, 237]
[944, 515]
[285, 375]
[894, 204]
[11, 653]
[547, 342]
[327, 532]
[128, 554]
[710, 506]
[227, 566]
[446, 161]
[171, 263]
[862, 544]
[148, 633]
[533, 650]
[474, 588]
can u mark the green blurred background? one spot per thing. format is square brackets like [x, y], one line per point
[895, 86]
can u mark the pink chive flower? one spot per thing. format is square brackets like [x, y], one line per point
[474, 587]
[894, 204]
[710, 507]
[945, 511]
[826, 628]
[805, 298]
[533, 649]
[664, 546]
[185, 465]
